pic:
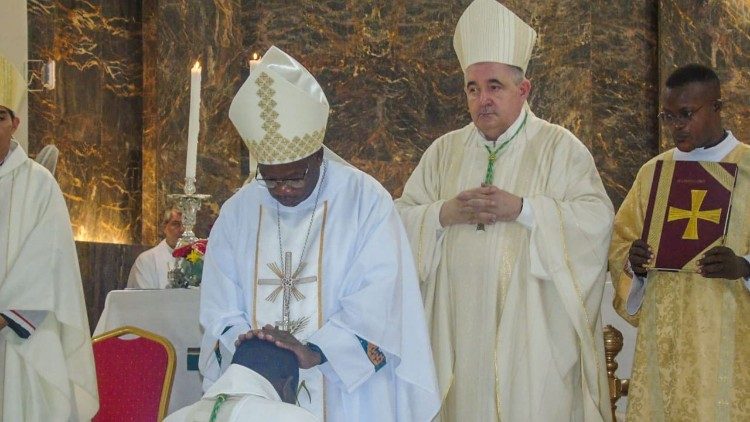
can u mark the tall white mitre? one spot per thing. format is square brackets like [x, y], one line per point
[489, 32]
[280, 111]
[12, 86]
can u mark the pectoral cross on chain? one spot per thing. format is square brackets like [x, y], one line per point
[287, 285]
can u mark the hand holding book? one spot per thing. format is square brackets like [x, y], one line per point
[722, 262]
[687, 214]
[640, 257]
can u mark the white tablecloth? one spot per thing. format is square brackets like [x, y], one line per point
[171, 313]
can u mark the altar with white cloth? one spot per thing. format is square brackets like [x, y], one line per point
[170, 313]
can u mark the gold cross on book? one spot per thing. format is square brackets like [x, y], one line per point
[287, 284]
[694, 214]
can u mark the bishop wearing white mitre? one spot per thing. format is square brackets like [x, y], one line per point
[513, 305]
[313, 253]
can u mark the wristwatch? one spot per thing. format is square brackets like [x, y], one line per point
[316, 349]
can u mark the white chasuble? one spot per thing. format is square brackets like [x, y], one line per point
[50, 375]
[299, 233]
[513, 311]
[357, 289]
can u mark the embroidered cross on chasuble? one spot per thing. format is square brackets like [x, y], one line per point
[688, 211]
[287, 285]
[288, 293]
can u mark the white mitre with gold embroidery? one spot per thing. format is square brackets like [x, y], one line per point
[280, 111]
[489, 32]
[12, 86]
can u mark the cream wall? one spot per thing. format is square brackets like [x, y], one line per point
[15, 45]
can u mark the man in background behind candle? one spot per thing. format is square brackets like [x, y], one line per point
[312, 256]
[521, 297]
[46, 360]
[151, 268]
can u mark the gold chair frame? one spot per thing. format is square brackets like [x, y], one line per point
[169, 374]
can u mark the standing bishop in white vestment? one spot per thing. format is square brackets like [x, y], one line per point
[316, 248]
[46, 361]
[510, 224]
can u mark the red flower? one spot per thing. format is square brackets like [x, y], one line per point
[183, 251]
[200, 246]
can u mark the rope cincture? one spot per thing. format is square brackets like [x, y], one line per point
[489, 175]
[220, 399]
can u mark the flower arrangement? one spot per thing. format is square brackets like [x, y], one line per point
[189, 264]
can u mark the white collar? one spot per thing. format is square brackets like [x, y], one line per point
[239, 380]
[13, 145]
[715, 153]
[15, 157]
[166, 245]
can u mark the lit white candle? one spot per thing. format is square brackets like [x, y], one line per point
[193, 122]
[254, 61]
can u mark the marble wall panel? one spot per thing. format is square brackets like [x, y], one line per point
[393, 80]
[179, 33]
[388, 69]
[624, 127]
[94, 114]
[149, 220]
[713, 33]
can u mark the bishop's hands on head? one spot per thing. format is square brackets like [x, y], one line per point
[307, 357]
[332, 265]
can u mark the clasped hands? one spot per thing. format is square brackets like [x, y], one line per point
[485, 205]
[285, 340]
[718, 262]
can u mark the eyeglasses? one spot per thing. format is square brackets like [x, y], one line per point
[294, 183]
[683, 117]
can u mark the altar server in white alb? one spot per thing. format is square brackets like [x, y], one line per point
[513, 307]
[46, 362]
[316, 247]
[151, 268]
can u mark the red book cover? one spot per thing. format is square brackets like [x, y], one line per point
[688, 211]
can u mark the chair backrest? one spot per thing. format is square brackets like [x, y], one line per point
[134, 375]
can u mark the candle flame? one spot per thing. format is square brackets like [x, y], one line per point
[197, 65]
[255, 56]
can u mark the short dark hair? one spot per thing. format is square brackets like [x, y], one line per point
[270, 361]
[690, 73]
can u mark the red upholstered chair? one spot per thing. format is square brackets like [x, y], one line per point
[134, 375]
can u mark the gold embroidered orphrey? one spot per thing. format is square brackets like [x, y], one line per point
[274, 147]
[287, 284]
[694, 214]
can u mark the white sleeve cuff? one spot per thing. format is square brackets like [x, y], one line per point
[635, 297]
[432, 219]
[347, 361]
[747, 279]
[526, 217]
